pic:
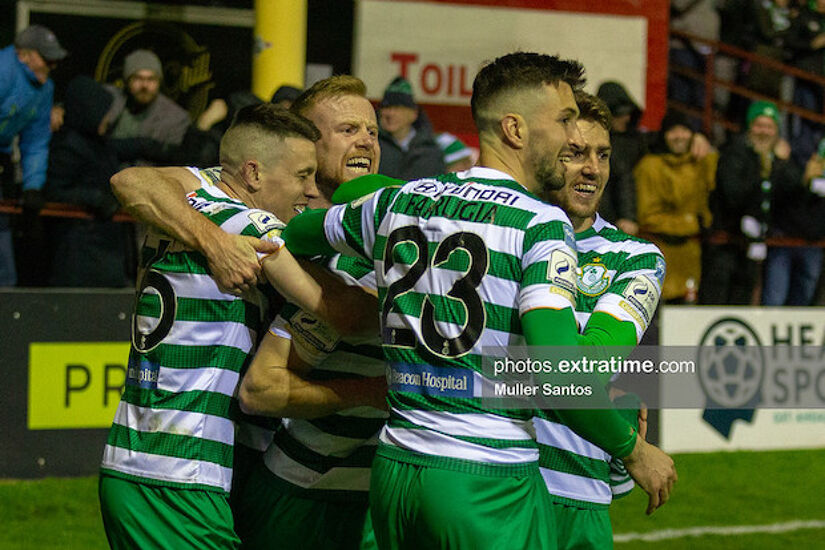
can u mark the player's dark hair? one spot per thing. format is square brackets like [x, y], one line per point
[517, 71]
[276, 120]
[593, 109]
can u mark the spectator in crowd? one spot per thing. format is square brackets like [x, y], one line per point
[772, 25]
[806, 39]
[408, 147]
[97, 252]
[672, 187]
[285, 96]
[629, 144]
[143, 111]
[753, 168]
[797, 211]
[26, 95]
[700, 18]
[457, 156]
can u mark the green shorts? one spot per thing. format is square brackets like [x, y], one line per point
[137, 515]
[582, 529]
[273, 514]
[415, 506]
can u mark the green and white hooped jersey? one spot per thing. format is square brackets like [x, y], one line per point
[333, 453]
[174, 425]
[615, 270]
[254, 432]
[458, 259]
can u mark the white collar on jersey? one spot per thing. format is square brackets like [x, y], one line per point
[483, 172]
[600, 223]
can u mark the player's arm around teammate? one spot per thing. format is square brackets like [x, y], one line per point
[276, 384]
[157, 197]
[348, 309]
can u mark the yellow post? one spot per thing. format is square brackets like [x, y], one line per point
[280, 45]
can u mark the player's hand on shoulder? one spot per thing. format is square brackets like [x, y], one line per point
[234, 263]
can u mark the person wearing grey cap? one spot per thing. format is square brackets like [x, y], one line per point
[140, 109]
[408, 147]
[26, 96]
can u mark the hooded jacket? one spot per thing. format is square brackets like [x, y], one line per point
[87, 252]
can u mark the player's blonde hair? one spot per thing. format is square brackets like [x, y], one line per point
[334, 86]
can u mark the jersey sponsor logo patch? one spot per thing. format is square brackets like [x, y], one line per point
[643, 294]
[430, 380]
[310, 331]
[142, 373]
[427, 188]
[264, 221]
[593, 279]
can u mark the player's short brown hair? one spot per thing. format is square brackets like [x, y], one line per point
[593, 109]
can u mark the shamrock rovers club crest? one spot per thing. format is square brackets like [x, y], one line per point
[593, 279]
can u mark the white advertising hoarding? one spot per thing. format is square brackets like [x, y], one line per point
[790, 340]
[439, 47]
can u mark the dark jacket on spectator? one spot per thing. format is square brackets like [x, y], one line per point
[803, 29]
[87, 252]
[422, 158]
[740, 192]
[738, 189]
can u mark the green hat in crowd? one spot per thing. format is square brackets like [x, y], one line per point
[762, 108]
[399, 92]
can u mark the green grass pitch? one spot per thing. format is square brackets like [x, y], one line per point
[714, 489]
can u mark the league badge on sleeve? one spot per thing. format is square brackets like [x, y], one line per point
[264, 221]
[643, 294]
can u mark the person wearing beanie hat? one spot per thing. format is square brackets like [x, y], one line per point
[26, 98]
[762, 108]
[761, 192]
[140, 109]
[408, 147]
[672, 188]
[457, 156]
[142, 73]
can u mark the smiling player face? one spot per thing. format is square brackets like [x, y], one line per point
[587, 170]
[553, 131]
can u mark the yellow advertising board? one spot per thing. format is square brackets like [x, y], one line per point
[75, 384]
